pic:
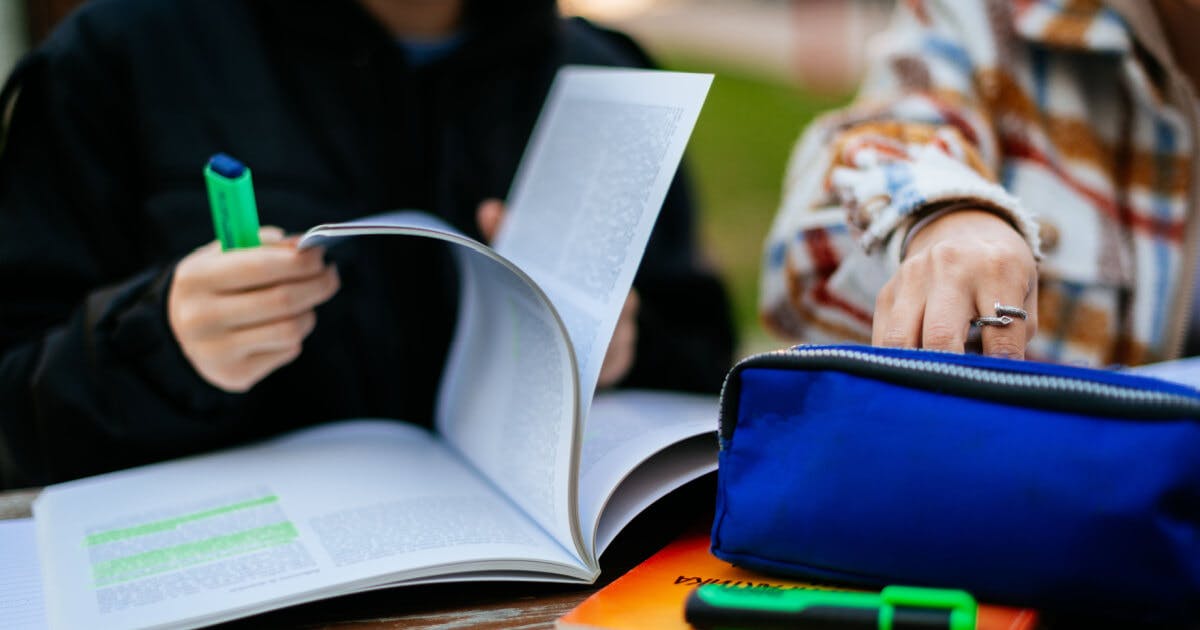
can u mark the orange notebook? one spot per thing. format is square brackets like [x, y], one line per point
[652, 594]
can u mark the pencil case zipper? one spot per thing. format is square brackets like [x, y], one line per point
[1020, 383]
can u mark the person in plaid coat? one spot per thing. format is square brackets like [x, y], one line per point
[1027, 155]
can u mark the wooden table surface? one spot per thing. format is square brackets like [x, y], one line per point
[482, 605]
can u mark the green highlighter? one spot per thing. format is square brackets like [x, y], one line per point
[231, 199]
[719, 607]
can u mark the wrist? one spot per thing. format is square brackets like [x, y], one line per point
[934, 214]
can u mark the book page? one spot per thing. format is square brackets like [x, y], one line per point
[619, 474]
[317, 513]
[1185, 371]
[589, 189]
[507, 400]
[669, 469]
[21, 604]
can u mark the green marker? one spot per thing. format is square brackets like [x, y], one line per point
[718, 607]
[231, 198]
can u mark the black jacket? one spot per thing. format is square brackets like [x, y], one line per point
[101, 193]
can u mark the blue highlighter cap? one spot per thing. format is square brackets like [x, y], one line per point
[226, 166]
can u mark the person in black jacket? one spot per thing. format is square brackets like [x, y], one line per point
[123, 338]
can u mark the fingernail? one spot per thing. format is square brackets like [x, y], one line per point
[270, 233]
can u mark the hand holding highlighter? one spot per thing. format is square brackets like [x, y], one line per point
[239, 311]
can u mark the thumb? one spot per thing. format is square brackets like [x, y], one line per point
[489, 216]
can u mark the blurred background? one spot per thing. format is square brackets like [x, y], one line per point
[778, 63]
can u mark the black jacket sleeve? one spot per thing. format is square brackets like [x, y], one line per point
[85, 372]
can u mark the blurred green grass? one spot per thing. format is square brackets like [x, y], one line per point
[736, 157]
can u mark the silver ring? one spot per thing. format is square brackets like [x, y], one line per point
[1001, 321]
[1002, 309]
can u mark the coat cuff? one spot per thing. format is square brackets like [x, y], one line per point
[133, 318]
[895, 193]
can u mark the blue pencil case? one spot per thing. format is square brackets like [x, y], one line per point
[1030, 484]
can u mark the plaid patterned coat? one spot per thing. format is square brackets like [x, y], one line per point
[1067, 117]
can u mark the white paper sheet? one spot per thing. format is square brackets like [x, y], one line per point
[589, 190]
[318, 513]
[21, 603]
[508, 397]
[624, 430]
[1183, 371]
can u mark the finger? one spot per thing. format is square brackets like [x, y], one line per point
[209, 248]
[262, 364]
[293, 241]
[900, 327]
[1031, 305]
[622, 349]
[247, 373]
[276, 336]
[268, 234]
[1008, 341]
[633, 302]
[881, 316]
[245, 269]
[281, 301]
[948, 314]
[489, 216]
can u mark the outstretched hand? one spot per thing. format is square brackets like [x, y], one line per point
[956, 270]
[622, 350]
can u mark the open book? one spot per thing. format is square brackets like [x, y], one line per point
[524, 477]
